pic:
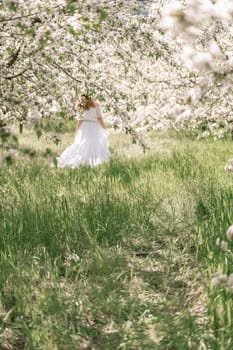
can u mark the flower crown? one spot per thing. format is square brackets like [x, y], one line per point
[83, 99]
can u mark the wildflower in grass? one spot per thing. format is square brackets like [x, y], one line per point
[229, 166]
[230, 233]
[230, 282]
[224, 246]
[218, 280]
[71, 258]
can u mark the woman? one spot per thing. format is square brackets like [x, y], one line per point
[91, 143]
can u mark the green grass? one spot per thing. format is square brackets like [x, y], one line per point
[120, 256]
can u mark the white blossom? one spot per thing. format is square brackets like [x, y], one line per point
[230, 282]
[55, 107]
[218, 280]
[230, 233]
[200, 60]
[214, 49]
[33, 114]
[223, 9]
[172, 16]
[229, 166]
[224, 246]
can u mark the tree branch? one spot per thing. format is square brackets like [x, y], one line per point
[56, 65]
[14, 57]
[9, 77]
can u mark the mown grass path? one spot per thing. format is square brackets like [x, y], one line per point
[121, 256]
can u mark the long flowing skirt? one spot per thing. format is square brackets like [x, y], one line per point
[90, 147]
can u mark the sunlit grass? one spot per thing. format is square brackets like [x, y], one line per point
[120, 256]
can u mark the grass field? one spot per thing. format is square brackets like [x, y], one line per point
[120, 256]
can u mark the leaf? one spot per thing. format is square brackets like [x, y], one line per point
[38, 133]
[42, 42]
[72, 31]
[61, 114]
[31, 32]
[15, 139]
[70, 8]
[9, 160]
[102, 14]
[13, 6]
[49, 59]
[47, 152]
[56, 140]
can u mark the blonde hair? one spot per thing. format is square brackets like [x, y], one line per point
[85, 102]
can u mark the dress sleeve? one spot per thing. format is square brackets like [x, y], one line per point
[99, 111]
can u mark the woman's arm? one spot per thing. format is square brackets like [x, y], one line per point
[77, 103]
[99, 114]
[101, 121]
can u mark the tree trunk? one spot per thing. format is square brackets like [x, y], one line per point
[20, 127]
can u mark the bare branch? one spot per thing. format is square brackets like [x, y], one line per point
[14, 58]
[9, 77]
[54, 64]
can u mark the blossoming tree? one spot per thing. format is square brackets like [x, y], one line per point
[152, 64]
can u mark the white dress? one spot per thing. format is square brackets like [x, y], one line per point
[90, 145]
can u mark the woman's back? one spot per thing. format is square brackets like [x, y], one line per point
[91, 143]
[90, 114]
